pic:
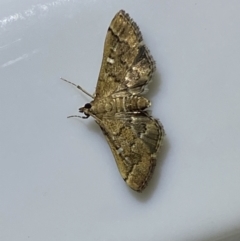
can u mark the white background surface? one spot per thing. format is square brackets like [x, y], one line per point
[58, 178]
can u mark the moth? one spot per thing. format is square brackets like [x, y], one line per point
[118, 106]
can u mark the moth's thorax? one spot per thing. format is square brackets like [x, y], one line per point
[111, 105]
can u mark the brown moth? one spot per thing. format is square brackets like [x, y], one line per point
[118, 106]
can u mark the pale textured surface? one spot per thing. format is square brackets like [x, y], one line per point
[58, 179]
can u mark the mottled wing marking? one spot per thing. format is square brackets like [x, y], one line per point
[127, 65]
[132, 134]
[134, 140]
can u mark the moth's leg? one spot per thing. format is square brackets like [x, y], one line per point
[79, 87]
[78, 116]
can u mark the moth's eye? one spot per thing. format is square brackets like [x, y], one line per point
[88, 106]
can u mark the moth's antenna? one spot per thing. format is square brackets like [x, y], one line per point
[78, 86]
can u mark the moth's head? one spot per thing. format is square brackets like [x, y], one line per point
[86, 110]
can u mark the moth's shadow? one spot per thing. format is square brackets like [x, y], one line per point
[154, 182]
[154, 86]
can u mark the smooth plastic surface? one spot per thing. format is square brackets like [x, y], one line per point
[58, 178]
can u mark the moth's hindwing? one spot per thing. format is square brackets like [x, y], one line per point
[134, 140]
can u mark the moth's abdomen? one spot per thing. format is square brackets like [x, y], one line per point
[139, 102]
[132, 103]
